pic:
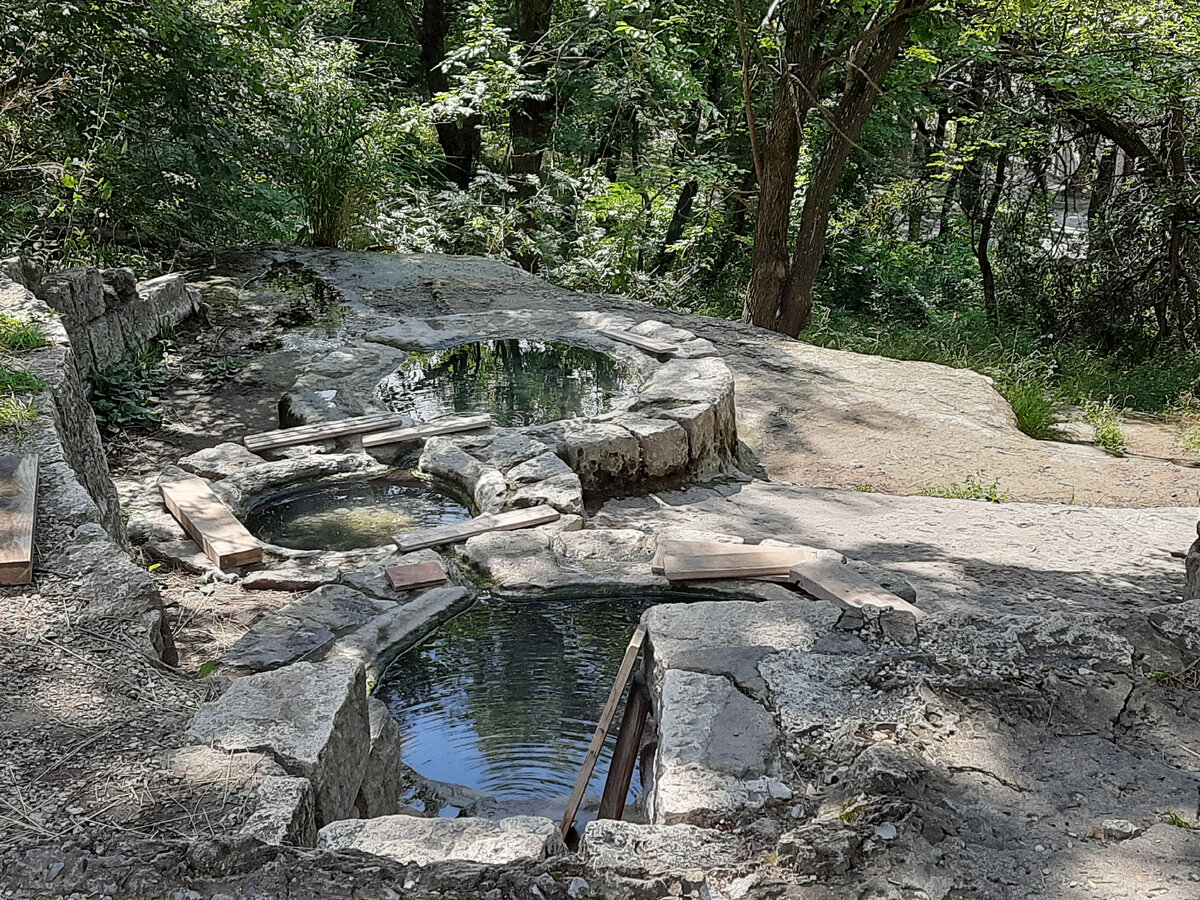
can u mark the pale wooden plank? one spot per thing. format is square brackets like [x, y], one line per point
[755, 564]
[649, 345]
[460, 531]
[828, 579]
[18, 510]
[420, 432]
[415, 575]
[222, 537]
[669, 547]
[610, 708]
[321, 431]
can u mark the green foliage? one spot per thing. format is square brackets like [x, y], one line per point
[125, 394]
[17, 413]
[974, 488]
[1105, 419]
[1030, 398]
[865, 488]
[20, 334]
[1174, 819]
[14, 380]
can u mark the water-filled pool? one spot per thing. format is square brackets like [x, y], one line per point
[519, 382]
[350, 513]
[505, 698]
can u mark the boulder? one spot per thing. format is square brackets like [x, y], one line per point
[220, 461]
[410, 839]
[563, 492]
[311, 717]
[285, 814]
[717, 755]
[295, 575]
[1191, 590]
[663, 444]
[385, 776]
[603, 456]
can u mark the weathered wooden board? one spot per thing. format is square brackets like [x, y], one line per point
[420, 432]
[767, 561]
[222, 537]
[649, 345]
[748, 552]
[18, 509]
[625, 753]
[321, 431]
[606, 717]
[415, 575]
[460, 531]
[828, 579]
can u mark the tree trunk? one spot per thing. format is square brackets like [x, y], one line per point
[459, 138]
[794, 90]
[679, 220]
[991, 306]
[862, 89]
[531, 117]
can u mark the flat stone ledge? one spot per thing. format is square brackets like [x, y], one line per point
[409, 839]
[633, 850]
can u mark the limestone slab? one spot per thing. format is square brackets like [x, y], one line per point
[220, 461]
[311, 717]
[384, 778]
[409, 839]
[303, 628]
[634, 850]
[602, 455]
[286, 812]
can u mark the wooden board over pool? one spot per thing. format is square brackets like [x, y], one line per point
[18, 508]
[415, 575]
[650, 345]
[222, 537]
[459, 531]
[321, 431]
[430, 429]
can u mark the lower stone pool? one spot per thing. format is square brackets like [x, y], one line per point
[504, 699]
[352, 513]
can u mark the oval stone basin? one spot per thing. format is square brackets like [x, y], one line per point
[519, 382]
[352, 513]
[505, 698]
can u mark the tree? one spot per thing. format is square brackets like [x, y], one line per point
[816, 37]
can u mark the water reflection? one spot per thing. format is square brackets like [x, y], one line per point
[350, 513]
[505, 698]
[520, 382]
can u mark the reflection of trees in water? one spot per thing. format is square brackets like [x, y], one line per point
[519, 382]
[534, 675]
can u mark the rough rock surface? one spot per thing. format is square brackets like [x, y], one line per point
[410, 839]
[303, 629]
[386, 776]
[310, 717]
[286, 812]
[221, 461]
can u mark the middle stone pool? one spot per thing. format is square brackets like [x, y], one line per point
[505, 698]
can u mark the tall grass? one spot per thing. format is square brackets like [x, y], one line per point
[1035, 373]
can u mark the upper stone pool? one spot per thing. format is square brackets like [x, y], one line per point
[519, 382]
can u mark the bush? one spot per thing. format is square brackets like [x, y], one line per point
[1105, 419]
[125, 394]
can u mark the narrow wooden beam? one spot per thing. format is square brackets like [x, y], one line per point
[18, 510]
[625, 753]
[828, 579]
[415, 575]
[650, 345]
[460, 531]
[420, 432]
[321, 431]
[606, 717]
[222, 537]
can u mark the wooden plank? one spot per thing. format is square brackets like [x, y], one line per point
[765, 561]
[828, 579]
[668, 547]
[650, 345]
[321, 431]
[420, 432]
[610, 709]
[222, 537]
[625, 753]
[415, 575]
[460, 531]
[18, 510]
